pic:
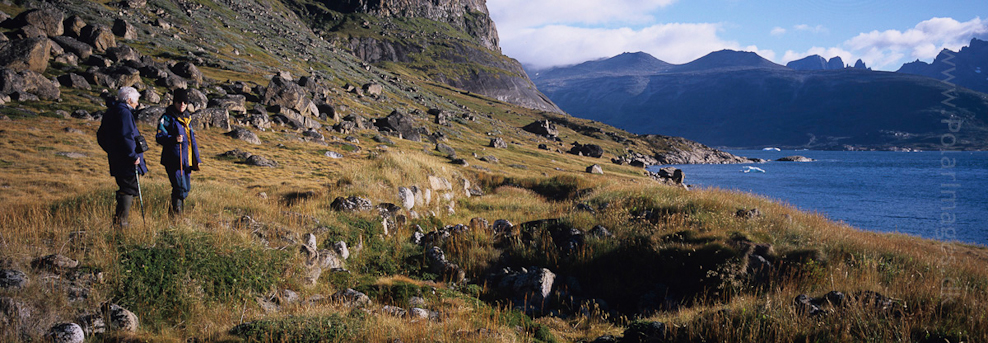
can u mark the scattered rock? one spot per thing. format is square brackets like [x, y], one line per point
[526, 287]
[490, 159]
[372, 89]
[73, 27]
[66, 333]
[54, 262]
[446, 149]
[400, 124]
[591, 150]
[543, 128]
[188, 71]
[244, 135]
[233, 103]
[73, 80]
[406, 197]
[600, 232]
[333, 154]
[748, 214]
[119, 318]
[498, 143]
[595, 169]
[13, 311]
[71, 154]
[122, 53]
[10, 278]
[351, 298]
[259, 161]
[440, 265]
[351, 204]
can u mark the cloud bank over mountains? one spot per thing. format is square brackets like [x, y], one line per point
[550, 33]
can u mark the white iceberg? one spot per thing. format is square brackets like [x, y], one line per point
[748, 169]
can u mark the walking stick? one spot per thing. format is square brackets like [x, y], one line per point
[140, 195]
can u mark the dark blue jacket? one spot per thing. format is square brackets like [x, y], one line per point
[174, 154]
[116, 136]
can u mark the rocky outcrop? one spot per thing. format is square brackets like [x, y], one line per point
[26, 54]
[678, 150]
[542, 127]
[795, 158]
[591, 150]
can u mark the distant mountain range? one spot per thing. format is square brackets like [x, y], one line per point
[967, 67]
[738, 99]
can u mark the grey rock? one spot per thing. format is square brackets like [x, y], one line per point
[526, 286]
[498, 143]
[543, 128]
[99, 36]
[600, 232]
[351, 298]
[418, 313]
[590, 150]
[394, 311]
[66, 333]
[150, 114]
[406, 197]
[244, 135]
[49, 20]
[341, 249]
[372, 89]
[119, 318]
[259, 161]
[188, 71]
[232, 103]
[73, 80]
[400, 124]
[73, 27]
[122, 53]
[92, 324]
[351, 204]
[55, 262]
[71, 154]
[645, 332]
[211, 117]
[796, 158]
[438, 264]
[748, 214]
[446, 149]
[333, 154]
[26, 54]
[595, 169]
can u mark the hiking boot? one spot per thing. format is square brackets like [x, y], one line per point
[120, 216]
[176, 207]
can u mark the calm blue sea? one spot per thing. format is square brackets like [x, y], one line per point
[928, 194]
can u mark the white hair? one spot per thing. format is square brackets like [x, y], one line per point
[127, 93]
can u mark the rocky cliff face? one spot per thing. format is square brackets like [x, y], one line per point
[470, 16]
[453, 41]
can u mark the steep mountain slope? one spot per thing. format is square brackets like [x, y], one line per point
[738, 99]
[966, 68]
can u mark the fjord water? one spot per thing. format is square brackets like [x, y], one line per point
[917, 193]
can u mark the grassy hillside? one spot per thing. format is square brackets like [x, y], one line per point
[221, 273]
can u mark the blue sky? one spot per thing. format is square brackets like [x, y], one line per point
[885, 34]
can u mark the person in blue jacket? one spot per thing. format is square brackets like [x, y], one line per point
[117, 136]
[179, 151]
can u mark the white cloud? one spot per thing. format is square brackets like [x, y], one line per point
[813, 29]
[518, 14]
[561, 45]
[778, 31]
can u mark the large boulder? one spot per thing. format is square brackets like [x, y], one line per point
[124, 29]
[591, 150]
[244, 135]
[543, 128]
[99, 36]
[122, 53]
[526, 286]
[438, 264]
[10, 82]
[26, 54]
[37, 84]
[80, 49]
[73, 80]
[232, 103]
[48, 20]
[498, 143]
[188, 71]
[212, 117]
[150, 114]
[73, 27]
[287, 116]
[351, 298]
[282, 91]
[400, 124]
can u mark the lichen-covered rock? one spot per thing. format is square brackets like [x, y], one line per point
[212, 117]
[119, 318]
[351, 204]
[124, 29]
[260, 161]
[498, 143]
[66, 333]
[99, 36]
[54, 262]
[26, 54]
[595, 169]
[48, 20]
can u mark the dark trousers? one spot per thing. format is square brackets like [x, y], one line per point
[181, 181]
[127, 184]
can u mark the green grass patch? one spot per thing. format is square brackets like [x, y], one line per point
[163, 281]
[332, 328]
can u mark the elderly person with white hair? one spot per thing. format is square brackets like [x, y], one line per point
[118, 136]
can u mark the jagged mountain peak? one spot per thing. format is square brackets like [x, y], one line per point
[967, 67]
